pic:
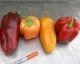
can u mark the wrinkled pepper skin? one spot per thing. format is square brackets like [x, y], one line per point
[66, 33]
[10, 32]
[47, 34]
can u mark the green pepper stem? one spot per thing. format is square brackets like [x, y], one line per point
[29, 22]
[17, 12]
[70, 24]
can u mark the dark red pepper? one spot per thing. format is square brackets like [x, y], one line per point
[10, 32]
[67, 29]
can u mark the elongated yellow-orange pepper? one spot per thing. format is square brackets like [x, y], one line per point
[47, 34]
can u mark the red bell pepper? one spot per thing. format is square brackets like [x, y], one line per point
[67, 29]
[10, 32]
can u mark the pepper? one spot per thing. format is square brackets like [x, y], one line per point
[79, 26]
[47, 34]
[29, 27]
[10, 32]
[67, 29]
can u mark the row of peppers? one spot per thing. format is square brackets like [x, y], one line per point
[65, 29]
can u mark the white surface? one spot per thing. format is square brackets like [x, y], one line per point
[63, 53]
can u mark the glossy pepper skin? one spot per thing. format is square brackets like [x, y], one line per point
[47, 34]
[10, 32]
[67, 29]
[30, 27]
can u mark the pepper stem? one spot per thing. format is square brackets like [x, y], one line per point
[70, 24]
[29, 22]
[17, 12]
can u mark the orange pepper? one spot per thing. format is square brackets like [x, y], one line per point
[47, 34]
[29, 27]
